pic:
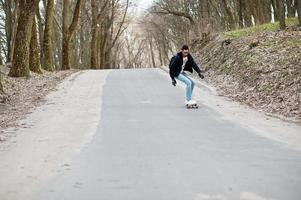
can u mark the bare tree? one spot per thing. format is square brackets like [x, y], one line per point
[298, 7]
[291, 8]
[11, 10]
[20, 65]
[48, 36]
[34, 50]
[1, 85]
[98, 15]
[152, 51]
[281, 14]
[68, 31]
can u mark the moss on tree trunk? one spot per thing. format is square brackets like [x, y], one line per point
[298, 6]
[65, 53]
[68, 31]
[94, 42]
[20, 64]
[1, 86]
[47, 43]
[281, 14]
[34, 57]
[94, 51]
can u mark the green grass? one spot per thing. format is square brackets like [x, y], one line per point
[260, 28]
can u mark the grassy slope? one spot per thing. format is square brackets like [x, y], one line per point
[259, 66]
[259, 29]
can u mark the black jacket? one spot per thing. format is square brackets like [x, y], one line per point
[176, 63]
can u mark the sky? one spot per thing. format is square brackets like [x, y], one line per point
[142, 5]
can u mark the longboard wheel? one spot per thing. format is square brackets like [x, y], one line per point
[195, 106]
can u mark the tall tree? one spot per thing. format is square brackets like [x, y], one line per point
[34, 53]
[20, 64]
[281, 14]
[48, 36]
[240, 13]
[152, 51]
[85, 36]
[108, 40]
[95, 32]
[291, 9]
[68, 31]
[11, 10]
[41, 33]
[229, 18]
[1, 86]
[98, 15]
[298, 6]
[275, 9]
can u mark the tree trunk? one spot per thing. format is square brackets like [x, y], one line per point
[240, 13]
[65, 53]
[48, 35]
[291, 9]
[103, 47]
[281, 14]
[152, 52]
[57, 47]
[41, 35]
[8, 27]
[75, 52]
[108, 51]
[11, 13]
[94, 43]
[229, 19]
[262, 11]
[160, 56]
[20, 65]
[65, 40]
[275, 9]
[267, 12]
[99, 46]
[34, 56]
[259, 12]
[1, 86]
[84, 51]
[68, 31]
[1, 60]
[246, 14]
[298, 6]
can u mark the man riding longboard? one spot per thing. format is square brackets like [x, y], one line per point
[178, 66]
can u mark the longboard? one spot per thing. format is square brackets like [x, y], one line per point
[192, 106]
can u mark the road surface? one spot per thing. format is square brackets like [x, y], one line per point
[148, 146]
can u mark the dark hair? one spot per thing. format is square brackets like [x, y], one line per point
[185, 47]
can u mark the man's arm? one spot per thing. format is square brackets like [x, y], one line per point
[194, 65]
[196, 68]
[172, 67]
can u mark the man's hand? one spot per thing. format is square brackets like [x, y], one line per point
[174, 82]
[201, 75]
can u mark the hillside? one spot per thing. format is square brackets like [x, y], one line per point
[23, 94]
[260, 67]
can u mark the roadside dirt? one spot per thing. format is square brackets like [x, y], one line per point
[261, 70]
[22, 95]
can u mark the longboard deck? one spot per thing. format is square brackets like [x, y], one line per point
[192, 106]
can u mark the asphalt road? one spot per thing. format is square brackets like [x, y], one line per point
[148, 146]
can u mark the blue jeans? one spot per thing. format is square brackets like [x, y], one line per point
[183, 77]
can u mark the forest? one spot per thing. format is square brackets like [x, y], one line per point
[107, 34]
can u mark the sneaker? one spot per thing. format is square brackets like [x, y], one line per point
[191, 102]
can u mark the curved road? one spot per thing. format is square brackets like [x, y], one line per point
[149, 147]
